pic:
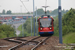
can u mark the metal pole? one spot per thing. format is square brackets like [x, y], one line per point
[0, 5]
[60, 21]
[31, 26]
[45, 9]
[22, 24]
[22, 31]
[34, 17]
[13, 27]
[36, 23]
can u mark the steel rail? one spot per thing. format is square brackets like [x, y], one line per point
[22, 43]
[40, 43]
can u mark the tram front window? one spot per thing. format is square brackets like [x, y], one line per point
[45, 22]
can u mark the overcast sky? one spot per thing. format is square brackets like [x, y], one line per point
[15, 5]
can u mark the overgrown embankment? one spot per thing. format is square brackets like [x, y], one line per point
[68, 26]
[69, 38]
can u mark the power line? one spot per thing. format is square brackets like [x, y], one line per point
[29, 13]
[24, 5]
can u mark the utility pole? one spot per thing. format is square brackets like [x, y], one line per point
[36, 23]
[14, 30]
[33, 18]
[22, 30]
[22, 23]
[60, 21]
[0, 5]
[31, 26]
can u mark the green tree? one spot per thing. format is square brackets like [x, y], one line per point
[27, 28]
[54, 12]
[6, 31]
[68, 21]
[3, 12]
[68, 24]
[27, 25]
[28, 13]
[40, 12]
[48, 12]
[8, 12]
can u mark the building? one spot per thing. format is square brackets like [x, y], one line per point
[7, 17]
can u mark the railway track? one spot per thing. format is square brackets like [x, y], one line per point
[14, 39]
[40, 43]
[34, 43]
[19, 40]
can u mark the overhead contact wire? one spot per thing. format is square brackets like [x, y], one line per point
[24, 6]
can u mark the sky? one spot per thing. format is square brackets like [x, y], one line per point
[16, 6]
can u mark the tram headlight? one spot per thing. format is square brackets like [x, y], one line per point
[40, 28]
[50, 28]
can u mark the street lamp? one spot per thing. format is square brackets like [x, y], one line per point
[31, 26]
[34, 17]
[14, 30]
[36, 23]
[22, 29]
[60, 21]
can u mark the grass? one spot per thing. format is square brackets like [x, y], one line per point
[69, 38]
[20, 28]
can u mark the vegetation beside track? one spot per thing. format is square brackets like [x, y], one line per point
[6, 31]
[68, 26]
[69, 38]
[20, 28]
[24, 31]
[27, 28]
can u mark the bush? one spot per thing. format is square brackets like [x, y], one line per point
[6, 31]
